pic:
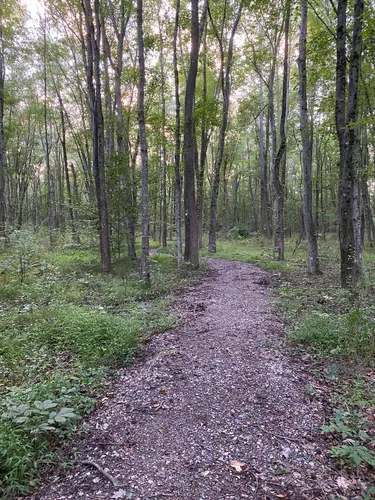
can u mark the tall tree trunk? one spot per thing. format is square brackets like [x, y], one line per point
[369, 227]
[265, 226]
[191, 222]
[145, 267]
[3, 158]
[75, 236]
[278, 159]
[177, 154]
[164, 141]
[313, 257]
[93, 36]
[226, 87]
[204, 146]
[51, 195]
[350, 157]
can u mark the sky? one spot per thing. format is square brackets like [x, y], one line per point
[34, 7]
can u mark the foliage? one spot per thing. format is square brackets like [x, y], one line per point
[65, 328]
[351, 429]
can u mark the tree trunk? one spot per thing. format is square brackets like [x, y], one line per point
[278, 159]
[3, 158]
[350, 157]
[145, 266]
[163, 138]
[226, 87]
[204, 146]
[75, 236]
[313, 257]
[177, 153]
[93, 35]
[264, 203]
[191, 222]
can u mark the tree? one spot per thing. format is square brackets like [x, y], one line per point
[144, 270]
[177, 153]
[313, 257]
[3, 164]
[191, 221]
[91, 49]
[225, 80]
[348, 135]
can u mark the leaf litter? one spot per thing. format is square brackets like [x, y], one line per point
[214, 409]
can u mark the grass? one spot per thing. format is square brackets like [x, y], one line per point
[65, 327]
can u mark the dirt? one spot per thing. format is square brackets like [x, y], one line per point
[214, 409]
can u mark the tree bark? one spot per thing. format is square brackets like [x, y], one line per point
[350, 157]
[3, 158]
[313, 257]
[92, 66]
[164, 141]
[191, 222]
[264, 203]
[226, 88]
[145, 266]
[177, 153]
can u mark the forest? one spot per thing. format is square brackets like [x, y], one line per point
[141, 142]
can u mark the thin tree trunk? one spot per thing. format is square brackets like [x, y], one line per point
[145, 267]
[164, 145]
[177, 153]
[97, 125]
[191, 222]
[204, 146]
[264, 203]
[226, 87]
[313, 257]
[75, 236]
[51, 195]
[3, 158]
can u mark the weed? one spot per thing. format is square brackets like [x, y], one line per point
[350, 428]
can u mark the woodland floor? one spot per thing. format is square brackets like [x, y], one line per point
[219, 392]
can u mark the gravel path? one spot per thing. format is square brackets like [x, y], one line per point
[215, 409]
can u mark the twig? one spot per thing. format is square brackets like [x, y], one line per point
[286, 438]
[292, 440]
[111, 443]
[102, 471]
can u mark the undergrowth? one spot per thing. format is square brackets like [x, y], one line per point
[65, 327]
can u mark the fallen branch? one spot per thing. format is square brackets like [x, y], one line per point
[279, 436]
[102, 471]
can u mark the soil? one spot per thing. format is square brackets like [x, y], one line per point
[214, 409]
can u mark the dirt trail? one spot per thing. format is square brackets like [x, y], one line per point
[220, 387]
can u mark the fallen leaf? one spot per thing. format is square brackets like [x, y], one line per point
[205, 473]
[237, 465]
[342, 483]
[286, 452]
[280, 496]
[119, 494]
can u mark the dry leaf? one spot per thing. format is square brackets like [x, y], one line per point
[280, 496]
[342, 483]
[205, 473]
[237, 465]
[119, 494]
